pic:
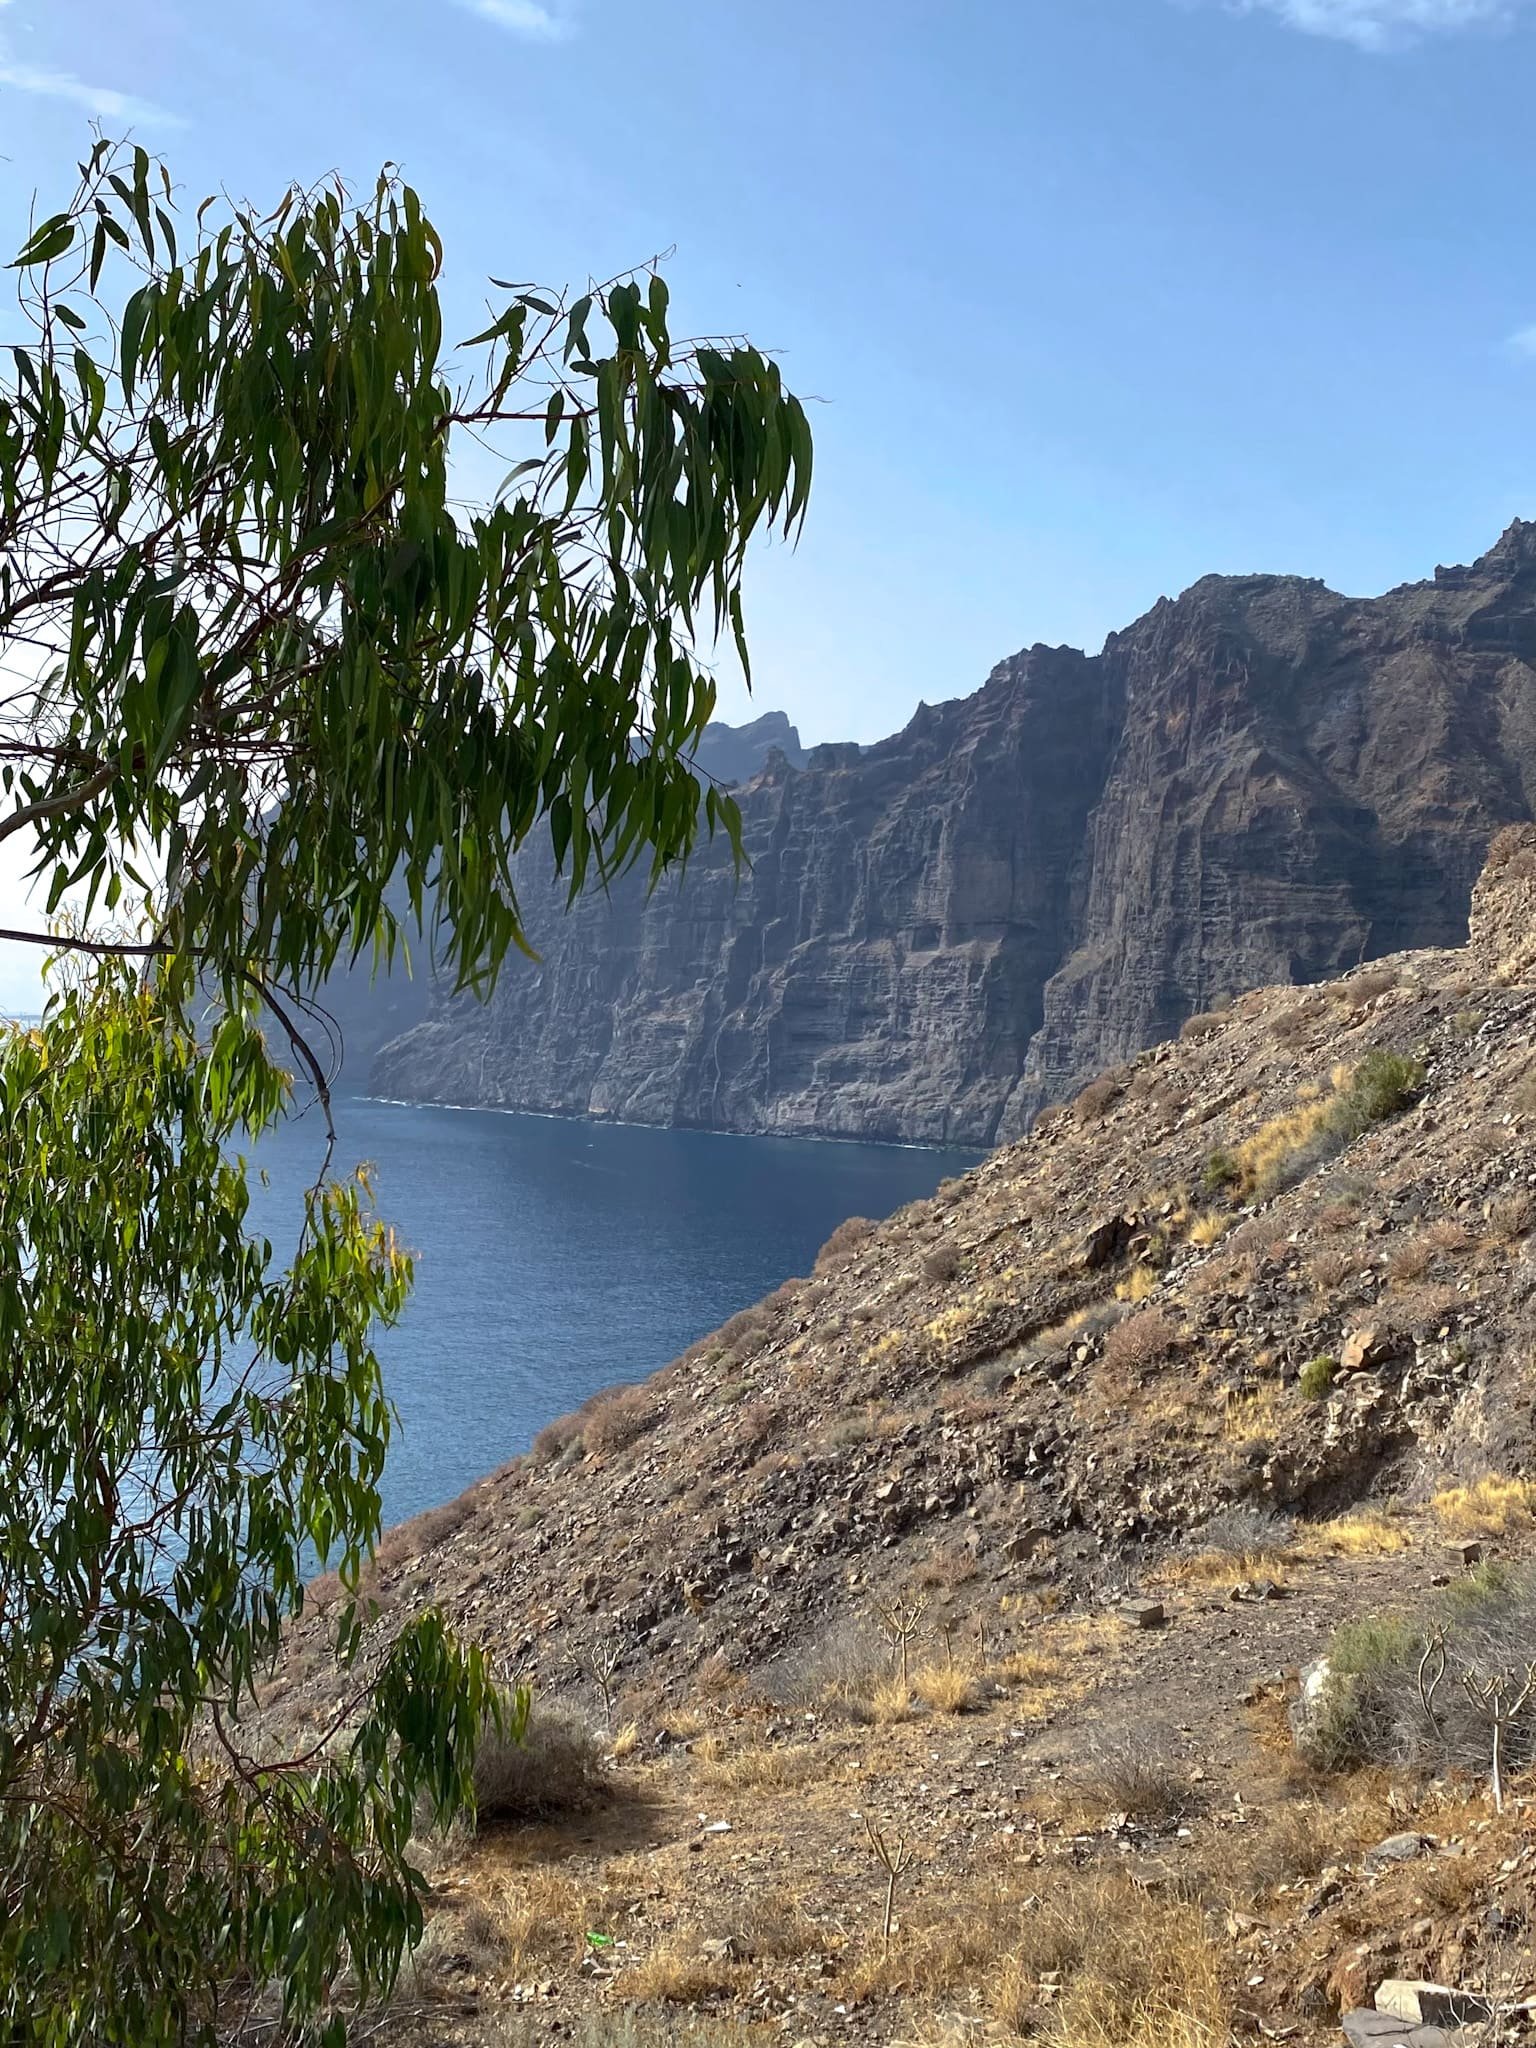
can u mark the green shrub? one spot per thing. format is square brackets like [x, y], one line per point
[1220, 1170]
[1317, 1378]
[1382, 1086]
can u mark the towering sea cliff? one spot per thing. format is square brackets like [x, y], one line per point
[1260, 781]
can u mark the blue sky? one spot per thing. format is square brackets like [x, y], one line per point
[1096, 295]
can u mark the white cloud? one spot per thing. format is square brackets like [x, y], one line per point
[1523, 342]
[530, 18]
[1385, 24]
[103, 101]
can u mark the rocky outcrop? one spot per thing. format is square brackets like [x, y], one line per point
[1261, 781]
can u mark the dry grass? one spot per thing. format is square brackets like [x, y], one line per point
[947, 1688]
[672, 1976]
[1209, 1227]
[765, 1767]
[848, 1238]
[1141, 1285]
[1332, 1264]
[1133, 1968]
[891, 1701]
[1249, 1417]
[1370, 1532]
[1489, 1507]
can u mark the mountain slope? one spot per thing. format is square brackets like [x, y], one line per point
[1246, 1333]
[1261, 781]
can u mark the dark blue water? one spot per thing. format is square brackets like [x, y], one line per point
[555, 1257]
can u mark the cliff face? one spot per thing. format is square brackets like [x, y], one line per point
[1261, 781]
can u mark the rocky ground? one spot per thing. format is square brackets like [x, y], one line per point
[1106, 1441]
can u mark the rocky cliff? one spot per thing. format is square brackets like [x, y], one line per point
[1261, 781]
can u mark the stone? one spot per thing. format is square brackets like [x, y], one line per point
[1435, 2005]
[730, 1948]
[1368, 2029]
[935, 936]
[1144, 1613]
[1469, 1552]
[1396, 1849]
[1364, 1349]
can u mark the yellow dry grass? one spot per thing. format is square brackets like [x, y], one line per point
[1369, 1532]
[1141, 1285]
[891, 1701]
[671, 1976]
[1247, 1417]
[1489, 1507]
[626, 1741]
[1209, 1227]
[757, 1767]
[947, 1688]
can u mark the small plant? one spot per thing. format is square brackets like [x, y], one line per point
[615, 1419]
[893, 1856]
[1204, 1025]
[1208, 1228]
[1466, 1023]
[942, 1263]
[1317, 1377]
[901, 1623]
[1220, 1170]
[1382, 1086]
[844, 1241]
[1096, 1098]
[600, 1663]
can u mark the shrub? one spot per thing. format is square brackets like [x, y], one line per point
[1220, 1170]
[556, 1769]
[1512, 1216]
[555, 1439]
[1134, 1771]
[1317, 1377]
[746, 1331]
[1382, 1086]
[423, 1532]
[1246, 1532]
[1489, 1507]
[942, 1263]
[1204, 1025]
[1140, 1339]
[616, 1419]
[1096, 1098]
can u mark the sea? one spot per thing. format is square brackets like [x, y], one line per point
[556, 1257]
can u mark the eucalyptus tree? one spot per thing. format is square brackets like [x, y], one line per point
[263, 681]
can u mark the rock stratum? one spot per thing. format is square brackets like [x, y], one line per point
[1261, 781]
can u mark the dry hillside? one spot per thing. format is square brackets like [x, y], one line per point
[1247, 1332]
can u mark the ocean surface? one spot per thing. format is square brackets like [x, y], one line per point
[556, 1257]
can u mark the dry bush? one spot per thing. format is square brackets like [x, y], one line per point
[840, 1670]
[1096, 1098]
[844, 1242]
[746, 1332]
[1365, 988]
[758, 1421]
[1512, 1216]
[1140, 1340]
[944, 1570]
[1132, 1770]
[1204, 1025]
[1335, 1216]
[942, 1262]
[1489, 1507]
[1444, 1238]
[557, 1769]
[616, 1419]
[1033, 1670]
[555, 1439]
[1208, 1228]
[1294, 1024]
[1246, 1534]
[1332, 1264]
[423, 1532]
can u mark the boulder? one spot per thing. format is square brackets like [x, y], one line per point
[1434, 2005]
